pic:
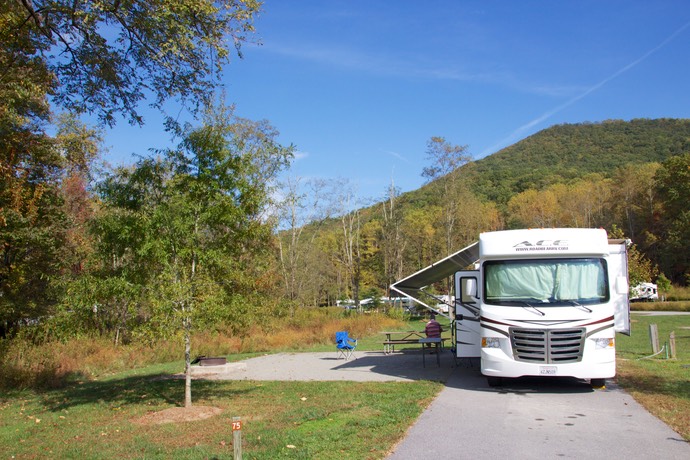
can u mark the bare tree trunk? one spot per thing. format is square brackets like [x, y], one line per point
[188, 330]
[187, 363]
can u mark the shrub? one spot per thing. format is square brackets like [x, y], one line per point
[52, 363]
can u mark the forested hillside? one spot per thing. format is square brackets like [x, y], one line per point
[195, 229]
[627, 177]
[566, 152]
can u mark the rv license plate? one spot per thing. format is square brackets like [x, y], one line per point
[547, 370]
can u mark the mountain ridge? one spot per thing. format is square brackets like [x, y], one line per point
[566, 152]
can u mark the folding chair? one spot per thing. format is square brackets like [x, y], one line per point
[346, 345]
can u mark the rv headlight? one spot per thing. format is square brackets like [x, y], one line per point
[491, 342]
[604, 343]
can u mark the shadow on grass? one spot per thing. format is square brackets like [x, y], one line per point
[654, 384]
[152, 389]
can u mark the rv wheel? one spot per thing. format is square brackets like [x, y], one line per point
[495, 381]
[597, 383]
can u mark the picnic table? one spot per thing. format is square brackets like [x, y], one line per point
[394, 338]
[437, 342]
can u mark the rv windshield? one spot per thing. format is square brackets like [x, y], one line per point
[546, 281]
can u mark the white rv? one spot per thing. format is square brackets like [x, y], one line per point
[542, 302]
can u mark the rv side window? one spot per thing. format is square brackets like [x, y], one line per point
[468, 289]
[546, 281]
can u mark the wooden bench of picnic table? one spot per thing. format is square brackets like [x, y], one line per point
[389, 345]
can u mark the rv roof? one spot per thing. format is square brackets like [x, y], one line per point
[549, 242]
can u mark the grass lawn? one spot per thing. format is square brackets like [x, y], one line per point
[310, 420]
[661, 385]
[98, 419]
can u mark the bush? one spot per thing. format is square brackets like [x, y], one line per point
[52, 363]
[398, 313]
[663, 283]
[677, 293]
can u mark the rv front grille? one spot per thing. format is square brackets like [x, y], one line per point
[551, 346]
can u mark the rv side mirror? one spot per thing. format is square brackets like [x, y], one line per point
[468, 290]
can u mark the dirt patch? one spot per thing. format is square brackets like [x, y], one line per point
[177, 415]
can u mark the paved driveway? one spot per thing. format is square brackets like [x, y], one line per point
[526, 419]
[368, 367]
[537, 418]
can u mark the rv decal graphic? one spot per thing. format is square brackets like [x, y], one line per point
[542, 245]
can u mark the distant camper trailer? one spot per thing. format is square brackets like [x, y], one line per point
[645, 292]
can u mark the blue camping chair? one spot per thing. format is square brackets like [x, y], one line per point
[345, 345]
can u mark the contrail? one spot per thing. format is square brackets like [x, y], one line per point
[397, 155]
[545, 116]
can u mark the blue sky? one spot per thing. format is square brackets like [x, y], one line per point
[360, 86]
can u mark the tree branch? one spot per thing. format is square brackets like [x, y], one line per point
[36, 16]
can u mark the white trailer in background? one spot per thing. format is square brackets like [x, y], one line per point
[647, 292]
[541, 302]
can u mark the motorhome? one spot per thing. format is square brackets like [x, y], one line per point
[539, 302]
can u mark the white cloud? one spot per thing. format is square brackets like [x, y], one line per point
[397, 155]
[299, 155]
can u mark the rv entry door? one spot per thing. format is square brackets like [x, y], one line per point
[467, 309]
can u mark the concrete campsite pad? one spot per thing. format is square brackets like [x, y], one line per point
[369, 366]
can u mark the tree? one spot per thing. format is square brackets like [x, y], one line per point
[106, 56]
[298, 209]
[633, 197]
[445, 160]
[640, 268]
[29, 200]
[44, 213]
[371, 260]
[419, 232]
[474, 217]
[673, 189]
[202, 206]
[110, 294]
[44, 204]
[533, 208]
[79, 146]
[392, 242]
[350, 255]
[101, 57]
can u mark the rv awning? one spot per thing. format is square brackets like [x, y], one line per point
[412, 286]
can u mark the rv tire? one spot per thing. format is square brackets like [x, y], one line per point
[597, 383]
[495, 381]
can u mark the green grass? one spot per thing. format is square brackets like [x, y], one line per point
[95, 418]
[324, 420]
[320, 420]
[661, 385]
[638, 344]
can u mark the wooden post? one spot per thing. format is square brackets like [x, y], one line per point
[654, 337]
[237, 438]
[672, 344]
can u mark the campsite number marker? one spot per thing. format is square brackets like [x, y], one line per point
[237, 438]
